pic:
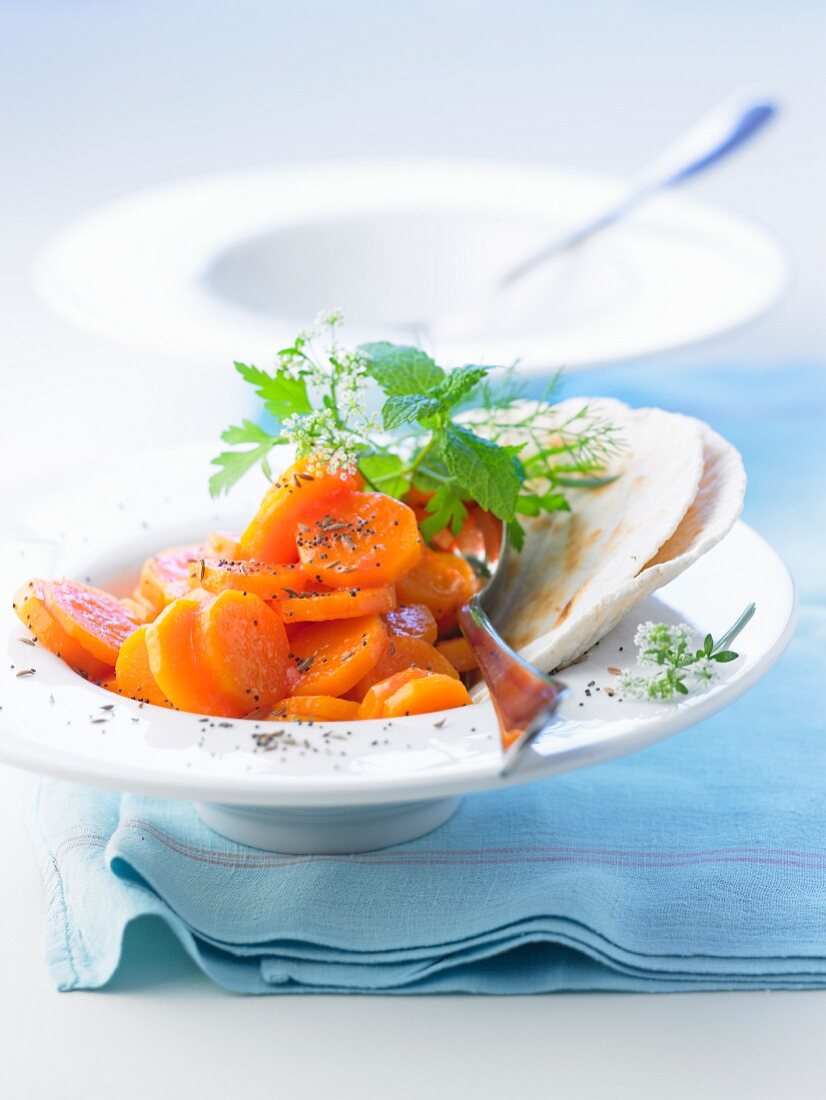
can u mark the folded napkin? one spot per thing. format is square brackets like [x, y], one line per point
[699, 863]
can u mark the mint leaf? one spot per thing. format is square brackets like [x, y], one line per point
[459, 383]
[401, 370]
[384, 472]
[486, 471]
[407, 408]
[282, 394]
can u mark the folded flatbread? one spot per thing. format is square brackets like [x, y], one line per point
[680, 489]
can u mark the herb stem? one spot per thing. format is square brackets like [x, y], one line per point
[733, 631]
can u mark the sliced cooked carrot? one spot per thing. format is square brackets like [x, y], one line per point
[441, 581]
[174, 662]
[401, 653]
[361, 539]
[95, 619]
[333, 657]
[29, 604]
[412, 620]
[270, 534]
[491, 530]
[425, 695]
[222, 545]
[142, 609]
[338, 603]
[270, 582]
[133, 676]
[372, 705]
[443, 540]
[165, 576]
[242, 648]
[459, 653]
[319, 708]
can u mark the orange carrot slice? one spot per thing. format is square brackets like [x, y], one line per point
[332, 657]
[29, 604]
[413, 620]
[95, 619]
[222, 545]
[140, 608]
[402, 653]
[441, 581]
[372, 705]
[165, 576]
[425, 695]
[317, 708]
[133, 675]
[339, 603]
[459, 653]
[491, 531]
[242, 648]
[174, 662]
[270, 582]
[359, 539]
[270, 534]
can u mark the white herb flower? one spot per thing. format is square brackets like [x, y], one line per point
[291, 363]
[328, 318]
[654, 640]
[704, 671]
[635, 686]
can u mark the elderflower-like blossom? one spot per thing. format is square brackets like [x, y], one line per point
[333, 447]
[291, 363]
[704, 671]
[668, 665]
[328, 318]
[633, 685]
[655, 639]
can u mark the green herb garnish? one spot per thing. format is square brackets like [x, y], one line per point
[680, 667]
[511, 456]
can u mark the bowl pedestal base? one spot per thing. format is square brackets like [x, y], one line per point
[339, 830]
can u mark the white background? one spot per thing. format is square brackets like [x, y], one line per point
[103, 97]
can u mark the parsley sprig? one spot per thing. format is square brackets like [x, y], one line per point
[676, 665]
[462, 435]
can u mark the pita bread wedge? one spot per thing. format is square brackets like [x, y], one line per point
[680, 491]
[712, 514]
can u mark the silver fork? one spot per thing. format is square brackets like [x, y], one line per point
[523, 697]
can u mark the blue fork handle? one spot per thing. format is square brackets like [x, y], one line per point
[712, 139]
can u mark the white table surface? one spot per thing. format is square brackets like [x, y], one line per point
[103, 98]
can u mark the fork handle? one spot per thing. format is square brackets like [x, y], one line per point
[524, 698]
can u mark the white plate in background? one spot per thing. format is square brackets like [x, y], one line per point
[234, 265]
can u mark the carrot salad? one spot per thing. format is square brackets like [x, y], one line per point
[327, 607]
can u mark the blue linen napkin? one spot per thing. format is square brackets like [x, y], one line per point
[699, 863]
